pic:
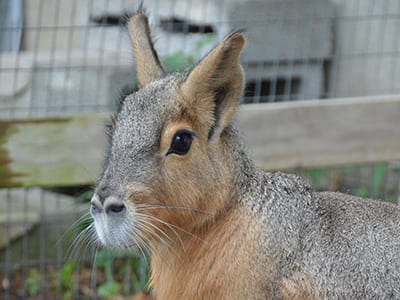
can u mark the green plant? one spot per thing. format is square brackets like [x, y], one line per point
[317, 176]
[104, 259]
[32, 282]
[67, 284]
[136, 269]
[109, 289]
[85, 197]
[362, 192]
[180, 61]
[378, 179]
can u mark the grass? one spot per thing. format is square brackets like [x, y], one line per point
[377, 181]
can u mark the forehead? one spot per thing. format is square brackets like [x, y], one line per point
[157, 96]
[144, 113]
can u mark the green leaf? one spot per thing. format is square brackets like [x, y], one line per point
[105, 255]
[178, 61]
[32, 283]
[109, 289]
[85, 196]
[362, 192]
[68, 295]
[207, 40]
[378, 179]
[317, 176]
[66, 274]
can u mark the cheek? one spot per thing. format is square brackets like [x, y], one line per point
[187, 178]
[141, 196]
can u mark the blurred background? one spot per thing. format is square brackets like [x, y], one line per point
[321, 99]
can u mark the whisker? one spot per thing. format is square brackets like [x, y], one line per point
[79, 220]
[152, 225]
[166, 224]
[86, 236]
[158, 229]
[142, 227]
[134, 239]
[174, 226]
[148, 207]
[75, 226]
[93, 278]
[143, 244]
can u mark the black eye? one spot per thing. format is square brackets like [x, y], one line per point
[181, 142]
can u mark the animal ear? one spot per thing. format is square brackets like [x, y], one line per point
[215, 85]
[148, 65]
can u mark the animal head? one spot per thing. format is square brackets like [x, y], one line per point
[170, 160]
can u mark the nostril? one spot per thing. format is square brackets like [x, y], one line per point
[94, 209]
[113, 205]
[95, 205]
[115, 208]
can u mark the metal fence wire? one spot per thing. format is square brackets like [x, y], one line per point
[65, 57]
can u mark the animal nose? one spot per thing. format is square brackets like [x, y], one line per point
[109, 205]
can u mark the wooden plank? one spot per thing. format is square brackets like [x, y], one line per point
[322, 132]
[52, 151]
[70, 150]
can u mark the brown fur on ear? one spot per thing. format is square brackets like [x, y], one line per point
[148, 65]
[215, 85]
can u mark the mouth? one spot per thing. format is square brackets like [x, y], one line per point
[113, 222]
[111, 233]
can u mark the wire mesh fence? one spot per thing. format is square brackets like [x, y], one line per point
[67, 57]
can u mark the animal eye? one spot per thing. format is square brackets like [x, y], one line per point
[181, 142]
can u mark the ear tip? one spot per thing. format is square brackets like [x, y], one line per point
[238, 39]
[136, 19]
[241, 39]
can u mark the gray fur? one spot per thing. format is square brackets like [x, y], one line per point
[346, 247]
[135, 140]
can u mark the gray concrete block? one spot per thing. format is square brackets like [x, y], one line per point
[285, 30]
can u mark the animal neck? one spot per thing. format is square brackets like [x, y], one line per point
[201, 257]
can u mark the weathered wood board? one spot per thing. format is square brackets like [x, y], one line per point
[52, 152]
[322, 133]
[70, 150]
